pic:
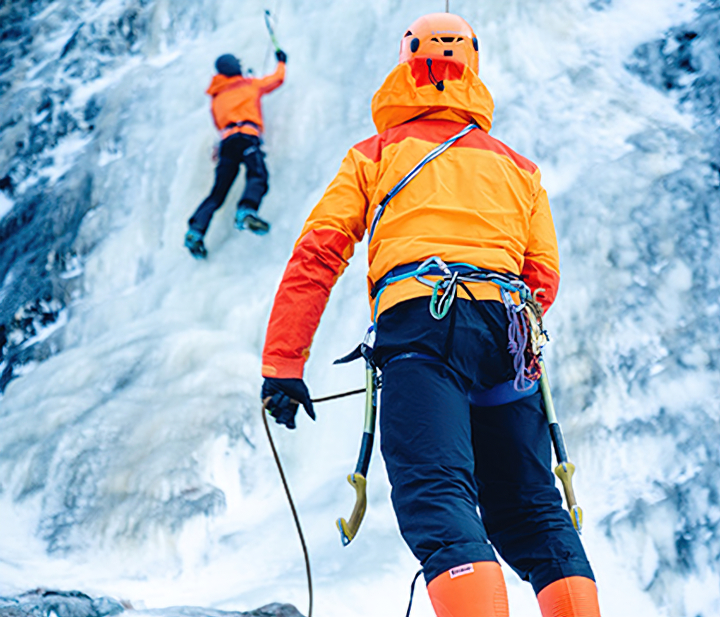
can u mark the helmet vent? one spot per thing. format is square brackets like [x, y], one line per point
[447, 39]
[408, 33]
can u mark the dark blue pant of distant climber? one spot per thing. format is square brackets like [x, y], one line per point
[238, 149]
[446, 457]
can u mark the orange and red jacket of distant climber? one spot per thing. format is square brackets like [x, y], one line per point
[236, 100]
[479, 203]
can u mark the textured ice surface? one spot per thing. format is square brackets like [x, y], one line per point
[132, 463]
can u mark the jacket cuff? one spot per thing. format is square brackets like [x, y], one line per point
[283, 368]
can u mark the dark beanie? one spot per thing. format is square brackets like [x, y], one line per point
[228, 65]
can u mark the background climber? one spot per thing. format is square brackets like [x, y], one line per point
[237, 114]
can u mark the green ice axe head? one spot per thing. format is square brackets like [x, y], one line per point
[348, 529]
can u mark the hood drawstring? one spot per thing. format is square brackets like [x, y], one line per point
[433, 80]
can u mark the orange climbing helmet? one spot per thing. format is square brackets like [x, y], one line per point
[441, 35]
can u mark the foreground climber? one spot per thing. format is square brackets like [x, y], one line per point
[238, 116]
[460, 428]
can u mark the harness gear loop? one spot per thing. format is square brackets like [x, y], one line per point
[440, 305]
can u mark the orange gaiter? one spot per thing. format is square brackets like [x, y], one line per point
[574, 596]
[473, 590]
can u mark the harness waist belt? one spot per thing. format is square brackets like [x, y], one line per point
[237, 125]
[430, 270]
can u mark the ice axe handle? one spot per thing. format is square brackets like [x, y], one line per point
[348, 529]
[565, 469]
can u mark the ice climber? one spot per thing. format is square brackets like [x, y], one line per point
[237, 114]
[454, 436]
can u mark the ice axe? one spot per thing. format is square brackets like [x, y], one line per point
[271, 30]
[348, 528]
[565, 469]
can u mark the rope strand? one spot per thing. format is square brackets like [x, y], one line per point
[332, 397]
[294, 511]
[412, 592]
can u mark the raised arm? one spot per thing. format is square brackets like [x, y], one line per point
[270, 82]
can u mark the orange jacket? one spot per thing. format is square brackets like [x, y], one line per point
[237, 99]
[478, 203]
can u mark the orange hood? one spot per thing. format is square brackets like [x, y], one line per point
[408, 92]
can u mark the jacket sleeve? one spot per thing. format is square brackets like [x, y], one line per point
[270, 82]
[541, 270]
[320, 256]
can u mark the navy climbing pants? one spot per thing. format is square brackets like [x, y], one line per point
[235, 150]
[466, 479]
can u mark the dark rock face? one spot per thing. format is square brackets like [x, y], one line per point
[42, 603]
[269, 610]
[51, 191]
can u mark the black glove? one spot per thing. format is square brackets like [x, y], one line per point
[281, 55]
[285, 395]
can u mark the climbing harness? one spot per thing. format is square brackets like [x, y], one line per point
[296, 517]
[526, 338]
[228, 129]
[525, 331]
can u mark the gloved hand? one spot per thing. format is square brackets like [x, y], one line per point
[281, 398]
[281, 55]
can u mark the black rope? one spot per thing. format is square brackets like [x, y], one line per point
[292, 507]
[332, 397]
[412, 591]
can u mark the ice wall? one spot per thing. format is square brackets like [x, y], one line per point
[131, 458]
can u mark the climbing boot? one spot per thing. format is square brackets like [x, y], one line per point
[246, 218]
[194, 243]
